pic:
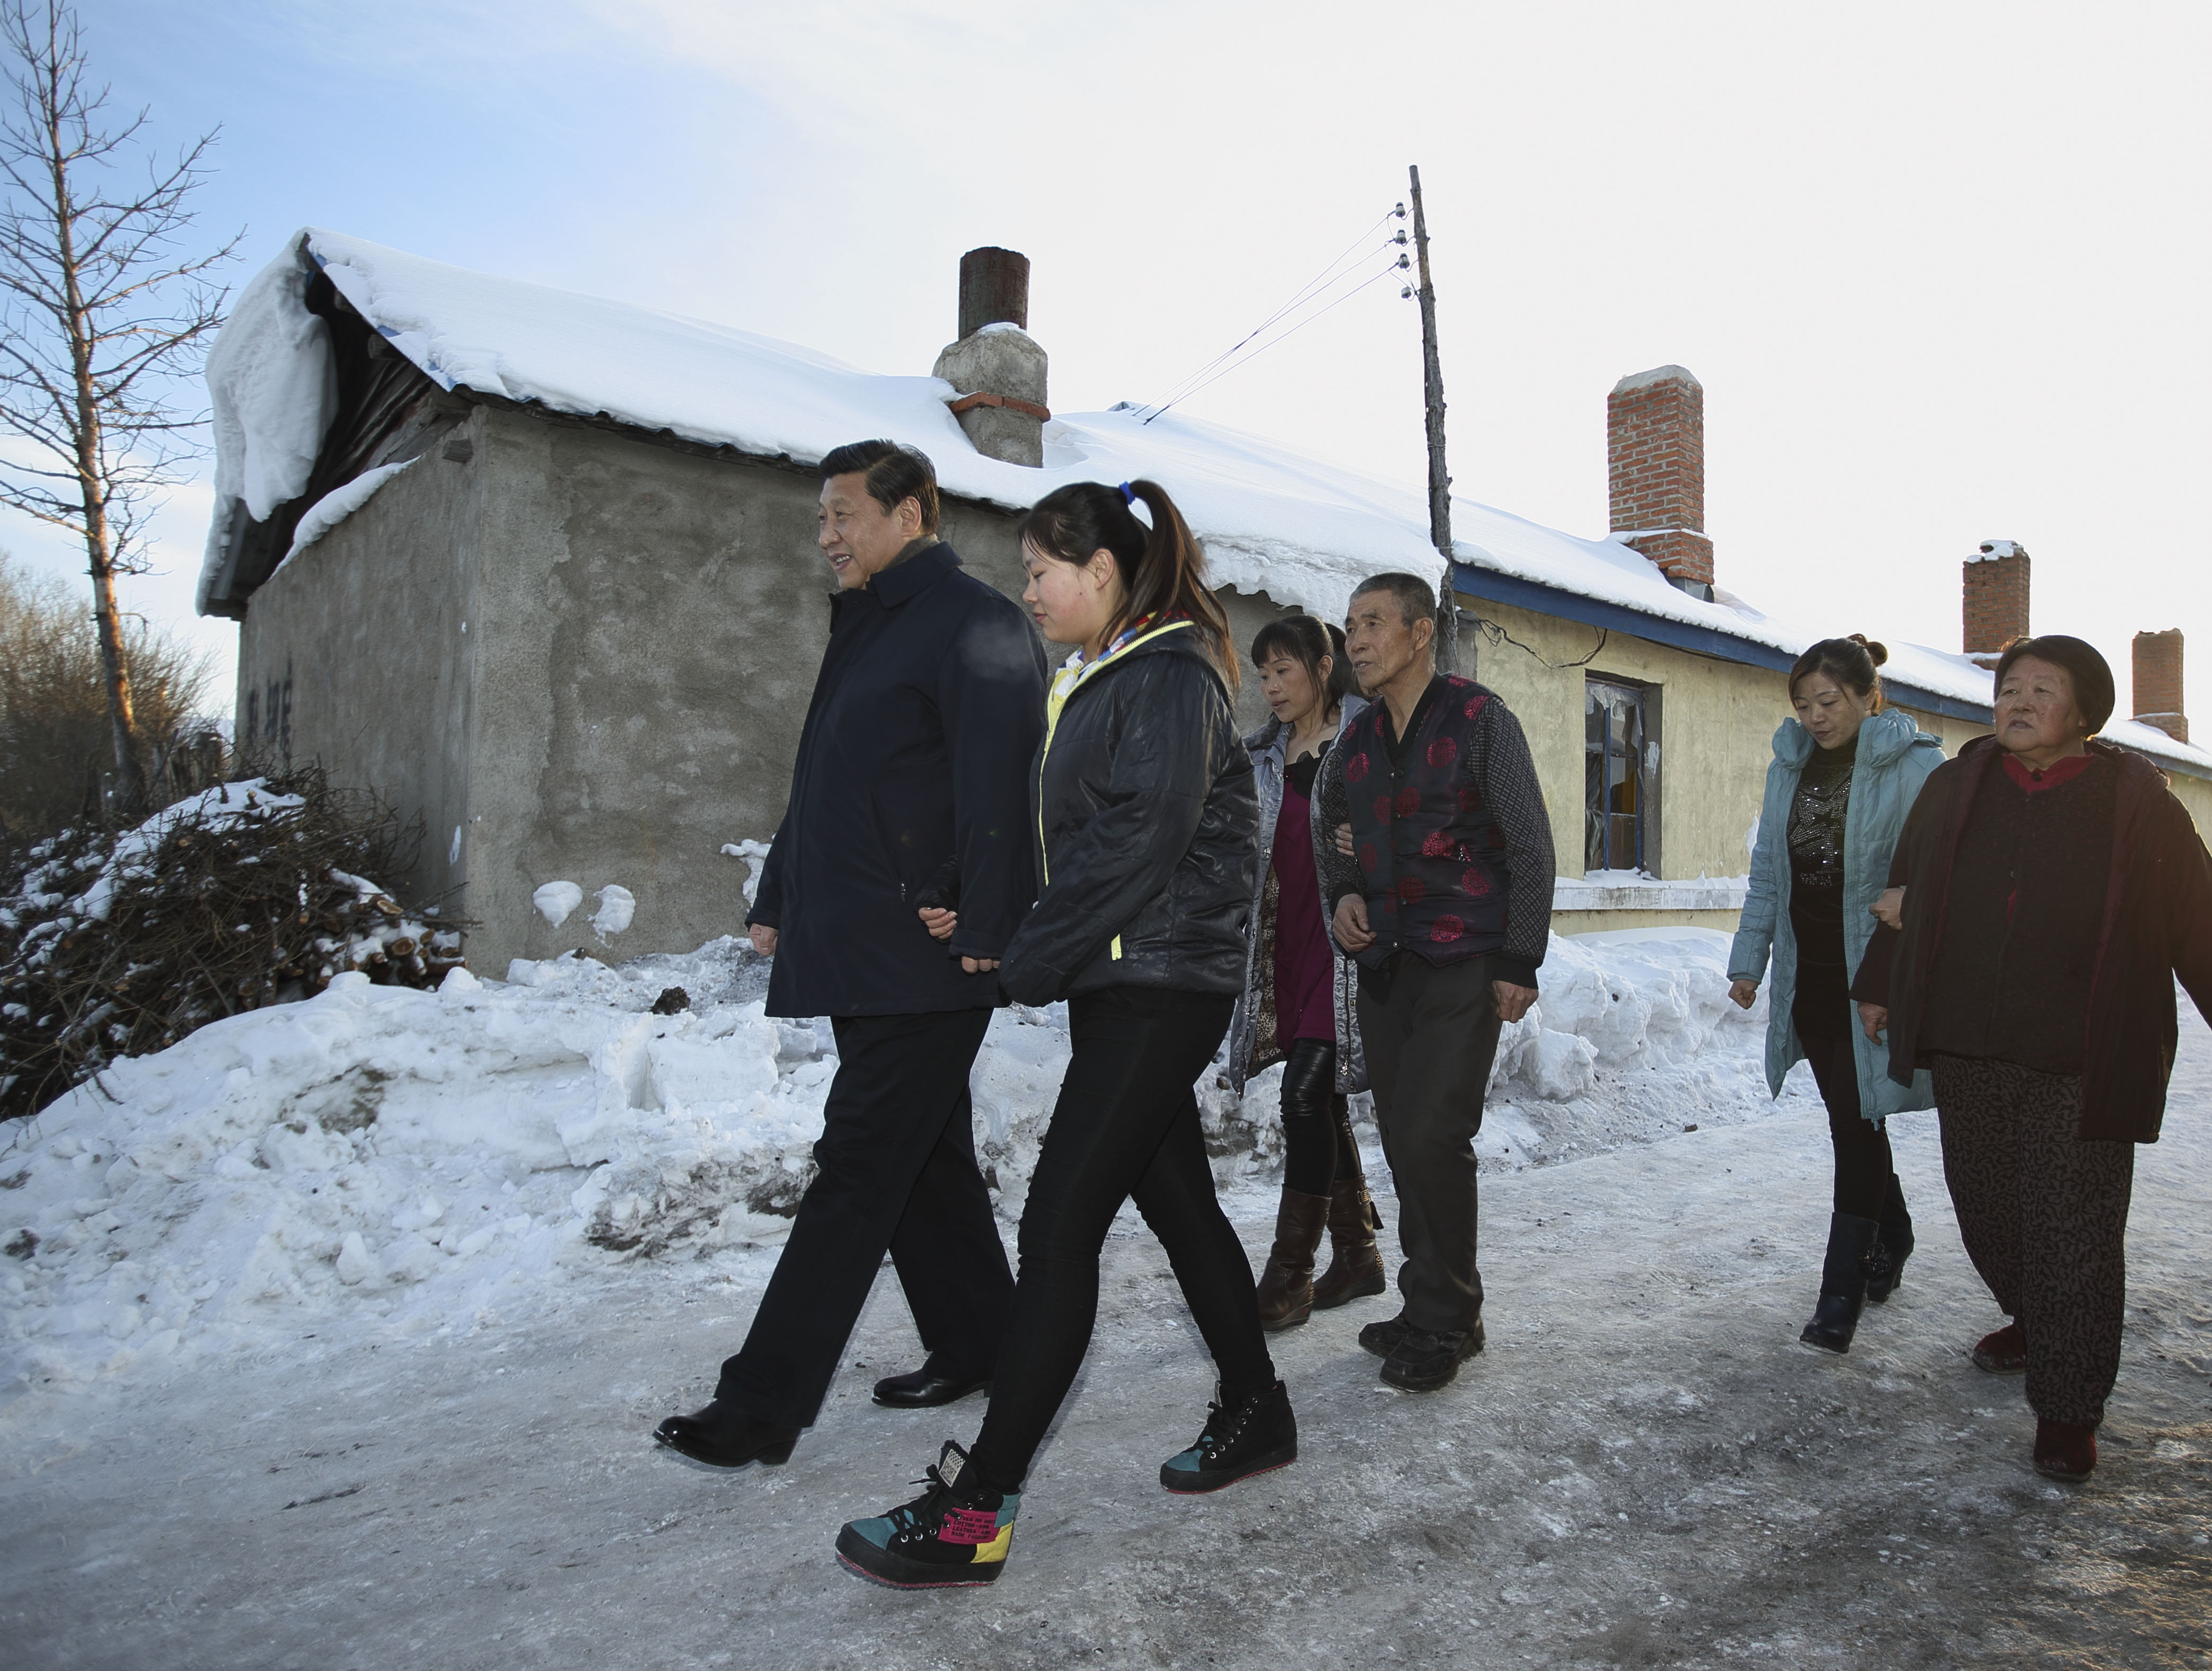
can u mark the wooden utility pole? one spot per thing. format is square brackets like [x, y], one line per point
[1432, 375]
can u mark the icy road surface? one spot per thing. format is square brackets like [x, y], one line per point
[1642, 1469]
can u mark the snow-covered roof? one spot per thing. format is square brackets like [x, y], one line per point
[1274, 519]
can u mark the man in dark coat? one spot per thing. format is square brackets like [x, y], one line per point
[910, 795]
[1440, 888]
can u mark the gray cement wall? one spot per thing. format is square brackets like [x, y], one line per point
[660, 618]
[360, 653]
[644, 624]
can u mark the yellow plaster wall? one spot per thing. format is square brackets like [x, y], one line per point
[1717, 721]
[1955, 733]
[2195, 794]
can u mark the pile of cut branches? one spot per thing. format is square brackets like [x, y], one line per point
[251, 894]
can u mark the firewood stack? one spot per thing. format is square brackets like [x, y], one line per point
[119, 945]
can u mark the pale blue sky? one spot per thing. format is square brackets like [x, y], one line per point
[1941, 269]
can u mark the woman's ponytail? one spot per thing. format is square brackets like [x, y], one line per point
[1170, 578]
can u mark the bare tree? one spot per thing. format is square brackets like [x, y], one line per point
[100, 316]
[53, 708]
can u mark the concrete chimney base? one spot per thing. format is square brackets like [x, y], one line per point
[998, 375]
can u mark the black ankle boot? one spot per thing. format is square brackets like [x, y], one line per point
[1843, 1283]
[1885, 1265]
[1256, 1433]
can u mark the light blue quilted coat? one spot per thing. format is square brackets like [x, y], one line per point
[1894, 759]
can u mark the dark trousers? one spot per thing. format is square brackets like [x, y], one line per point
[1824, 1020]
[1126, 1125]
[1318, 1147]
[2045, 1218]
[897, 1171]
[1431, 1032]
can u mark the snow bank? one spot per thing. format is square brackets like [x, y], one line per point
[430, 1157]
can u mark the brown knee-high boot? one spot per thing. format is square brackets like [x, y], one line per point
[1355, 1266]
[1286, 1292]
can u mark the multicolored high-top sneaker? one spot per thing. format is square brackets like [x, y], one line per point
[955, 1533]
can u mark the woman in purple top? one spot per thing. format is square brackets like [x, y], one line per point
[1298, 993]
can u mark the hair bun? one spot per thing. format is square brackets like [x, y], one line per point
[1877, 654]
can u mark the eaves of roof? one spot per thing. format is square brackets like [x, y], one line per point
[1473, 581]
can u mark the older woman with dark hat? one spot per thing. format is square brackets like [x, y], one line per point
[2053, 890]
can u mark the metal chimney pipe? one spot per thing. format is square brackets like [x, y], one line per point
[994, 289]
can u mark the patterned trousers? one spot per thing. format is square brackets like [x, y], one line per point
[2045, 1218]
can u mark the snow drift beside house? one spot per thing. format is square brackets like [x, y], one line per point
[377, 1153]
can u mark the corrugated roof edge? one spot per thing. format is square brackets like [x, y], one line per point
[1474, 582]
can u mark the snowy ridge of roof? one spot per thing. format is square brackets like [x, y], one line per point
[2150, 740]
[1274, 519]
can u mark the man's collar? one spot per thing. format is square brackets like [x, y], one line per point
[1419, 708]
[920, 563]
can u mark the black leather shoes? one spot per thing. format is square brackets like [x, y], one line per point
[1422, 1362]
[726, 1439]
[1382, 1337]
[922, 1391]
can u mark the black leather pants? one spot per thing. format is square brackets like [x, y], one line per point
[1318, 1147]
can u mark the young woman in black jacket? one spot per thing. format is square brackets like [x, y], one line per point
[1147, 821]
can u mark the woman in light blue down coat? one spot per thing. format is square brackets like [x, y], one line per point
[1846, 773]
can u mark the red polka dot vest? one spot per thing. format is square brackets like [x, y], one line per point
[1432, 856]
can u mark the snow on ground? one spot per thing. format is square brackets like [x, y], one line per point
[1642, 1469]
[380, 1158]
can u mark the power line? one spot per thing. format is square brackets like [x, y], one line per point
[1320, 287]
[1322, 282]
[1319, 280]
[1384, 272]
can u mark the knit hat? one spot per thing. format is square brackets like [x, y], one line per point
[2091, 673]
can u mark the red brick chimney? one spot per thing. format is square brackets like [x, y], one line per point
[1655, 437]
[1995, 599]
[2158, 683]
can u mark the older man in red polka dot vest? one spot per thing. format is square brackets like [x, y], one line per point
[1431, 854]
[1440, 886]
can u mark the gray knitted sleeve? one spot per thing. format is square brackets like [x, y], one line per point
[1504, 773]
